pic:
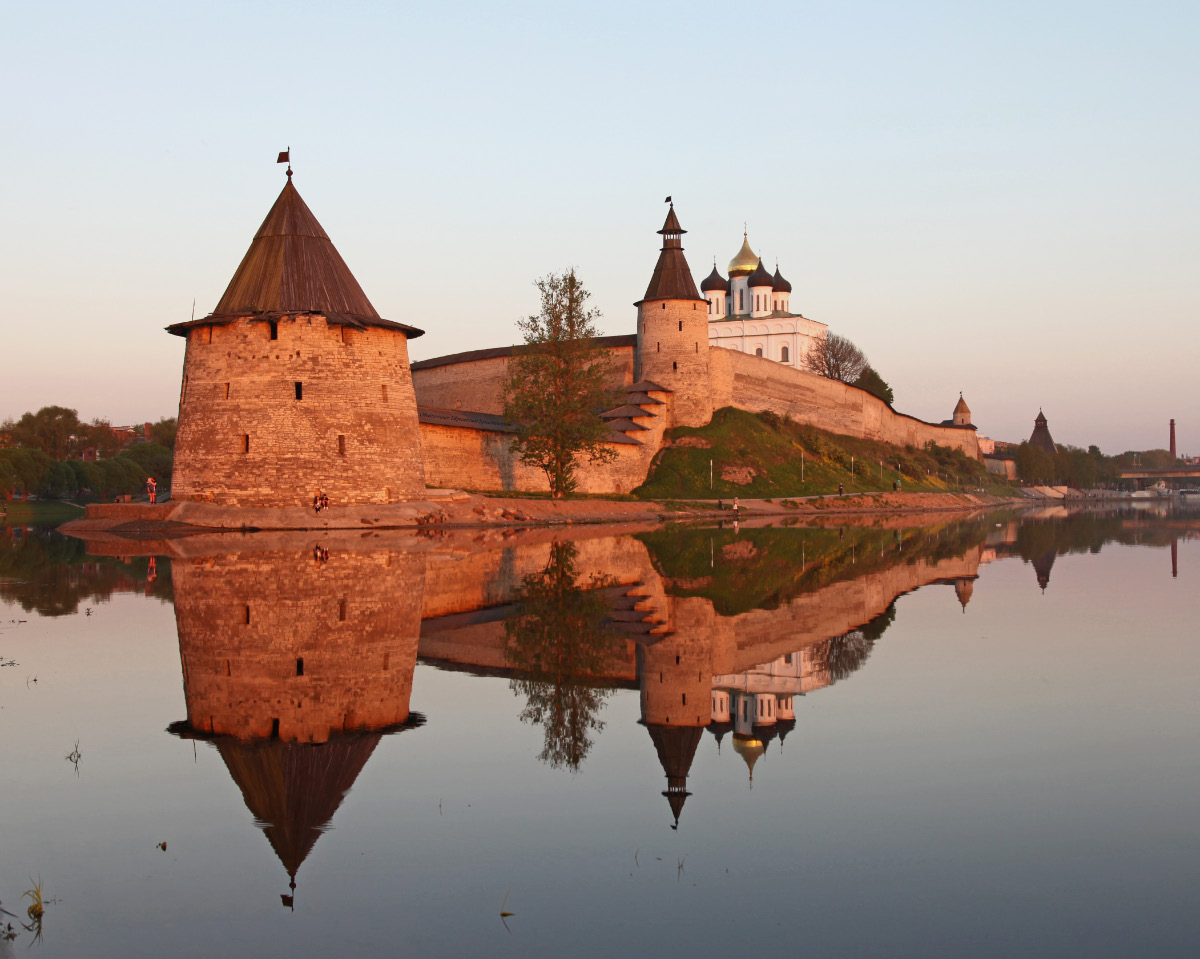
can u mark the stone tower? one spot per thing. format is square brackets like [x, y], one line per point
[672, 348]
[962, 412]
[1040, 437]
[295, 383]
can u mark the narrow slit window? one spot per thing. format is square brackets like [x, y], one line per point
[384, 389]
[274, 728]
[226, 391]
[246, 614]
[299, 390]
[674, 366]
[274, 330]
[245, 442]
[341, 444]
[681, 326]
[685, 699]
[299, 665]
[210, 334]
[341, 610]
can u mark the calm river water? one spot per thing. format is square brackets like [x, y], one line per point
[941, 736]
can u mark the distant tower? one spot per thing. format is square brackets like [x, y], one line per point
[672, 346]
[295, 383]
[962, 412]
[1172, 439]
[1041, 435]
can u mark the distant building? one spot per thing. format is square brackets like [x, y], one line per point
[1041, 435]
[751, 312]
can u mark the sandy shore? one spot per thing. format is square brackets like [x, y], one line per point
[453, 508]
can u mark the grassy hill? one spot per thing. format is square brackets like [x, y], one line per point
[759, 455]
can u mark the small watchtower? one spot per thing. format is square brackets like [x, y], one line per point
[294, 382]
[962, 412]
[672, 348]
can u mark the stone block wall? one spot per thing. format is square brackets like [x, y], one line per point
[250, 436]
[477, 384]
[279, 645]
[755, 384]
[477, 459]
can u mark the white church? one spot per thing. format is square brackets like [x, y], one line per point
[750, 312]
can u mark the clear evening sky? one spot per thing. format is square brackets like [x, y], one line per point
[999, 198]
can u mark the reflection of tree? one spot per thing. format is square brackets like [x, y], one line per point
[45, 571]
[559, 646]
[842, 655]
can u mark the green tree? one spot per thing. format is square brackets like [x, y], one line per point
[556, 389]
[54, 430]
[163, 432]
[874, 384]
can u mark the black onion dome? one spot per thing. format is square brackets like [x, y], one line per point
[760, 277]
[779, 284]
[714, 282]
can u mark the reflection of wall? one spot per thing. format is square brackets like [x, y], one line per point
[458, 591]
[275, 644]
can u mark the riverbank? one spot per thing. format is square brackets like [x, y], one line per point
[454, 508]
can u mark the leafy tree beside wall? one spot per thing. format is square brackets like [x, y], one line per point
[556, 388]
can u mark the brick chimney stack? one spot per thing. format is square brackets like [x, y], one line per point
[1172, 439]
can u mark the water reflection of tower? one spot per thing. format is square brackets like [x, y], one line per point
[295, 669]
[1042, 565]
[675, 678]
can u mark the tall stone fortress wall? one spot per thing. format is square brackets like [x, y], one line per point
[295, 383]
[755, 383]
[672, 351]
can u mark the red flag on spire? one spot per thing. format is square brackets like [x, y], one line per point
[285, 156]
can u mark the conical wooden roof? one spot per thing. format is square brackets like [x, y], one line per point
[292, 267]
[1041, 437]
[293, 789]
[676, 748]
[672, 279]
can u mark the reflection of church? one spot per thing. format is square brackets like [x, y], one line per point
[758, 705]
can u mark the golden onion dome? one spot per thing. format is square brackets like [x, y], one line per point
[749, 748]
[745, 262]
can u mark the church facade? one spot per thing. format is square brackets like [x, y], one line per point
[750, 312]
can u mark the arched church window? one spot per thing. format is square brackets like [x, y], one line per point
[758, 352]
[783, 355]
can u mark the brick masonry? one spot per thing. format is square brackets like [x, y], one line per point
[266, 422]
[276, 644]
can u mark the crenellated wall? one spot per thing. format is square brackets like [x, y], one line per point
[247, 439]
